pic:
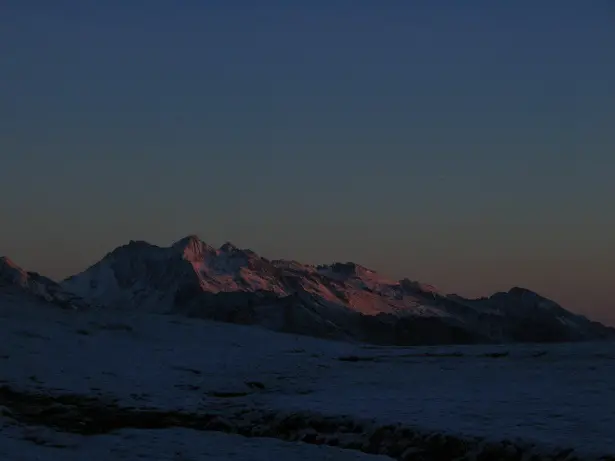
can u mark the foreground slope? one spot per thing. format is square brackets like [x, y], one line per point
[117, 375]
[341, 300]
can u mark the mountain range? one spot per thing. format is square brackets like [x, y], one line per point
[343, 301]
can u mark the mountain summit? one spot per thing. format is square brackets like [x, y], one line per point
[339, 300]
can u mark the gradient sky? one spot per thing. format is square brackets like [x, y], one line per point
[466, 144]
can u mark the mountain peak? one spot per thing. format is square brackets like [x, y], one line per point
[520, 291]
[188, 240]
[11, 272]
[7, 262]
[415, 286]
[192, 247]
[347, 268]
[228, 247]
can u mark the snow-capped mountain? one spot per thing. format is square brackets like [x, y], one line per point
[143, 275]
[340, 300]
[16, 281]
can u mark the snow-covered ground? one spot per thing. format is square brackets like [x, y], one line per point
[553, 396]
[41, 444]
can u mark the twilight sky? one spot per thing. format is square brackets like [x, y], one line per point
[466, 144]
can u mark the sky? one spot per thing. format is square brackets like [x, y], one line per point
[470, 145]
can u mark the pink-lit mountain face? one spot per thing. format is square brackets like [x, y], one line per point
[340, 300]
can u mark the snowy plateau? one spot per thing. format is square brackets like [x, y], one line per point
[198, 353]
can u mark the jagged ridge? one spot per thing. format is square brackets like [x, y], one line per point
[340, 300]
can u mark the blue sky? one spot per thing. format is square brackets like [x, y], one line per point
[465, 144]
